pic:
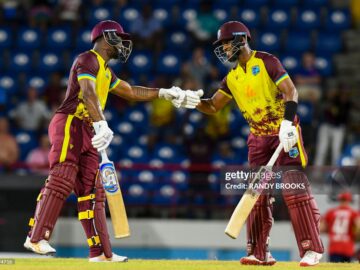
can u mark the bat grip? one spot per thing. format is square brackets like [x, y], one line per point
[275, 155]
[104, 157]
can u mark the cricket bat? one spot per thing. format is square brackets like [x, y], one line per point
[248, 200]
[114, 197]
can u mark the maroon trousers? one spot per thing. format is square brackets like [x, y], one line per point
[260, 219]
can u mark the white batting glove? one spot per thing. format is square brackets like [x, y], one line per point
[288, 135]
[103, 137]
[170, 93]
[191, 100]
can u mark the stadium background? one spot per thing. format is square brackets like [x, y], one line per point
[170, 160]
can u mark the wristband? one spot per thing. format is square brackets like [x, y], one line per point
[290, 110]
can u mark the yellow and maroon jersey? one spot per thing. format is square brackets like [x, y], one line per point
[89, 65]
[256, 93]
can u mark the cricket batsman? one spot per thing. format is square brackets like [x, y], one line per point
[267, 98]
[74, 150]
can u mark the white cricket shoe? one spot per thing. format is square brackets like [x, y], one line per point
[252, 260]
[114, 258]
[310, 258]
[42, 247]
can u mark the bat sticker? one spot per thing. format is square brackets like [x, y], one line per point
[108, 178]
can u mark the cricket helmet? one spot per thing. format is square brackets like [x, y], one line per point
[115, 36]
[230, 30]
[238, 34]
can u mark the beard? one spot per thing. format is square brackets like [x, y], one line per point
[113, 53]
[235, 56]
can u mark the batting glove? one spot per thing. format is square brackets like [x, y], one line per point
[103, 137]
[191, 100]
[171, 93]
[288, 135]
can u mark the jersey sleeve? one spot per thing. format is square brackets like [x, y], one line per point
[114, 80]
[224, 89]
[275, 69]
[87, 67]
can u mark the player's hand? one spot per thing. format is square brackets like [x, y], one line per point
[103, 135]
[191, 100]
[288, 135]
[171, 93]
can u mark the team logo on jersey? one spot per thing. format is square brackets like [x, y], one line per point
[255, 70]
[294, 152]
[107, 75]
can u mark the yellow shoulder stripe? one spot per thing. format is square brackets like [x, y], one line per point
[114, 84]
[283, 77]
[86, 76]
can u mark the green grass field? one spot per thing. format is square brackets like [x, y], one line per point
[78, 264]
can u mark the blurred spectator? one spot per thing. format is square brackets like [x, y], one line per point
[355, 12]
[163, 127]
[199, 150]
[162, 123]
[32, 114]
[9, 151]
[54, 91]
[218, 125]
[187, 81]
[226, 153]
[205, 24]
[146, 28]
[335, 112]
[308, 79]
[199, 67]
[10, 10]
[40, 14]
[37, 159]
[68, 10]
[342, 224]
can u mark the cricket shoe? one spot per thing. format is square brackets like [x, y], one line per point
[310, 258]
[114, 258]
[252, 260]
[42, 247]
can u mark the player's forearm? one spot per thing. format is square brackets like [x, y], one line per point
[140, 93]
[207, 106]
[291, 95]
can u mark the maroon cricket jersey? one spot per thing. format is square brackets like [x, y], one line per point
[88, 65]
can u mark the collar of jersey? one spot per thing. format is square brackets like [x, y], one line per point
[101, 60]
[251, 57]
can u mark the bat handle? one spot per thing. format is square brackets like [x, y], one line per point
[104, 157]
[275, 155]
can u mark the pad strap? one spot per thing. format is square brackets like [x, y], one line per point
[86, 198]
[93, 241]
[31, 222]
[88, 214]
